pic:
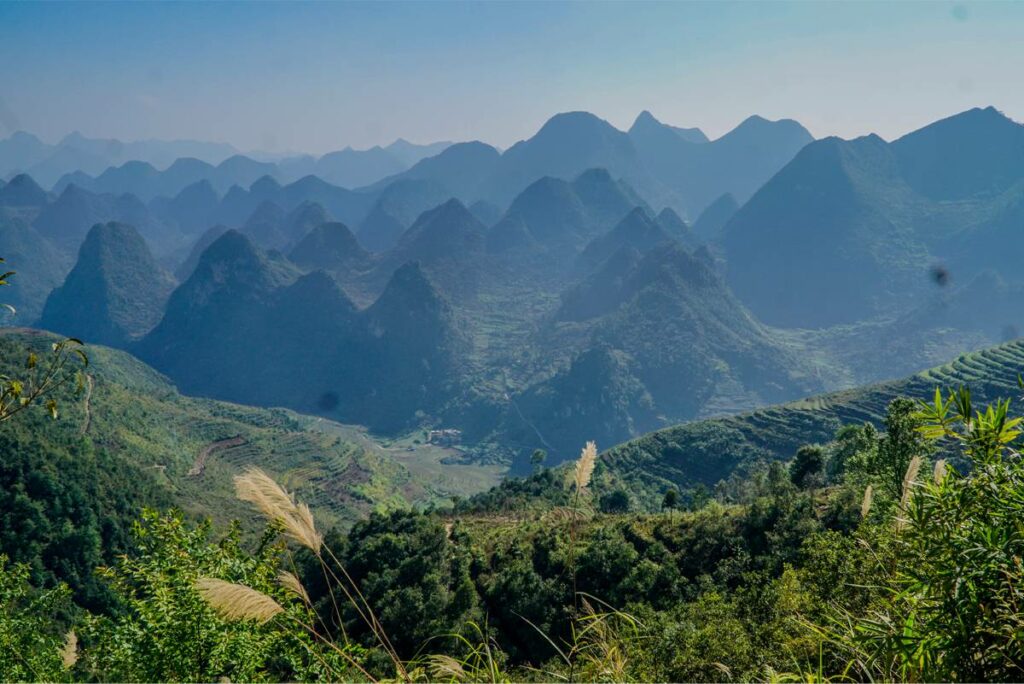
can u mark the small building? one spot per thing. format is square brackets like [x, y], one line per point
[445, 437]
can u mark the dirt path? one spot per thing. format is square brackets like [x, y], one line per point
[522, 417]
[88, 409]
[200, 463]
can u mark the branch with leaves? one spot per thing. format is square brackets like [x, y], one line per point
[65, 364]
[983, 434]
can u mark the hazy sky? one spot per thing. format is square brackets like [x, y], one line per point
[319, 76]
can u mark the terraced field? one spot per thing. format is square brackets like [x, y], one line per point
[709, 450]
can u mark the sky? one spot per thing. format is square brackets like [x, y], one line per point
[314, 77]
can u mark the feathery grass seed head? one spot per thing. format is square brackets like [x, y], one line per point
[69, 652]
[259, 489]
[290, 582]
[585, 466]
[865, 505]
[237, 601]
[908, 483]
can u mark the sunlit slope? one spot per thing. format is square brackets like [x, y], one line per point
[709, 450]
[188, 449]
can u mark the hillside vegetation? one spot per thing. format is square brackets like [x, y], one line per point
[705, 452]
[70, 488]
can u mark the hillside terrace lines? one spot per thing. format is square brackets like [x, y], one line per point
[200, 463]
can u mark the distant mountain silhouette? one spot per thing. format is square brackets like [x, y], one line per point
[676, 227]
[398, 205]
[637, 231]
[485, 212]
[410, 153]
[564, 147]
[459, 169]
[699, 172]
[39, 267]
[185, 269]
[191, 209]
[646, 123]
[562, 216]
[348, 168]
[265, 226]
[23, 152]
[331, 247]
[667, 165]
[648, 326]
[448, 243]
[70, 216]
[115, 292]
[23, 191]
[852, 229]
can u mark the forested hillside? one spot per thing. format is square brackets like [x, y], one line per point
[126, 439]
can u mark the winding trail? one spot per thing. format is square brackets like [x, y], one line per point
[200, 463]
[529, 424]
[88, 408]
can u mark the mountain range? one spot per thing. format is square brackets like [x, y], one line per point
[667, 167]
[580, 306]
[99, 164]
[852, 229]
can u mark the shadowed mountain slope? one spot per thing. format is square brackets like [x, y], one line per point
[114, 294]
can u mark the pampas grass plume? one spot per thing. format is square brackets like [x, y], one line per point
[69, 653]
[585, 466]
[237, 601]
[290, 582]
[865, 505]
[908, 483]
[259, 489]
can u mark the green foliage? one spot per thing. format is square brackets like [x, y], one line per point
[773, 580]
[953, 606]
[902, 442]
[168, 632]
[854, 444]
[417, 578]
[38, 379]
[616, 501]
[30, 643]
[537, 459]
[808, 467]
[70, 488]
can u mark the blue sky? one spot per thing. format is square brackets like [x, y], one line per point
[319, 76]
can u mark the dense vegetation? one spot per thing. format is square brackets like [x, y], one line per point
[71, 488]
[706, 452]
[841, 564]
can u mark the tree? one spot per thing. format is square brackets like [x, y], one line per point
[671, 499]
[808, 467]
[853, 443]
[902, 442]
[699, 496]
[537, 459]
[167, 629]
[30, 642]
[616, 501]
